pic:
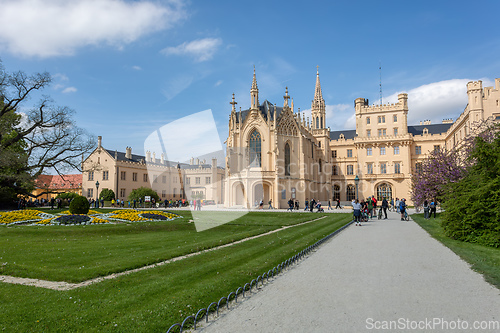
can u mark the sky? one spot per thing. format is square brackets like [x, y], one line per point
[128, 68]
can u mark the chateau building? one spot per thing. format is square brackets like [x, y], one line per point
[274, 154]
[123, 172]
[50, 186]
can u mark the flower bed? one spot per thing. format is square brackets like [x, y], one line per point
[36, 217]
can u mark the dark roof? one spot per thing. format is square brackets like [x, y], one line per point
[263, 108]
[139, 158]
[433, 128]
[348, 134]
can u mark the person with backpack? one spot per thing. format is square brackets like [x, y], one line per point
[369, 202]
[426, 210]
[402, 208]
[433, 208]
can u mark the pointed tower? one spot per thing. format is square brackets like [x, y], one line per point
[318, 111]
[254, 92]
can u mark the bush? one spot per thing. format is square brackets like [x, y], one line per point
[107, 194]
[67, 195]
[79, 205]
[141, 192]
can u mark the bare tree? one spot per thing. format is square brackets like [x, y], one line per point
[48, 133]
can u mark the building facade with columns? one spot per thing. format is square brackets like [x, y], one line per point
[274, 154]
[123, 172]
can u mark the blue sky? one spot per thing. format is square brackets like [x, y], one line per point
[129, 67]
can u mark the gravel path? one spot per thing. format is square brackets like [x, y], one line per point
[387, 273]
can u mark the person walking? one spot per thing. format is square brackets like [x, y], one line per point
[392, 204]
[385, 205]
[402, 208]
[270, 204]
[356, 206]
[307, 205]
[329, 205]
[290, 205]
[338, 204]
[433, 208]
[426, 209]
[312, 204]
[369, 202]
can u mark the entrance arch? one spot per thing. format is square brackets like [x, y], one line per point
[384, 190]
[239, 195]
[261, 191]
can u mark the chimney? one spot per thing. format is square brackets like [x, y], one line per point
[191, 161]
[128, 153]
[154, 158]
[99, 141]
[148, 156]
[162, 158]
[214, 163]
[197, 161]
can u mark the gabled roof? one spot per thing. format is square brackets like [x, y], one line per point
[348, 134]
[264, 108]
[433, 128]
[140, 158]
[59, 182]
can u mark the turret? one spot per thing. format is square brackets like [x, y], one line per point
[254, 92]
[318, 110]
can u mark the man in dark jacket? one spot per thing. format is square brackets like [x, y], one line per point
[385, 205]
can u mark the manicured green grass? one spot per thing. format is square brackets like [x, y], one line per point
[154, 299]
[79, 253]
[483, 259]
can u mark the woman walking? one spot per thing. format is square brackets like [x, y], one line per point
[357, 212]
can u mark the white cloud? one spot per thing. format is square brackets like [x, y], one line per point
[200, 49]
[436, 101]
[69, 90]
[218, 83]
[46, 28]
[137, 68]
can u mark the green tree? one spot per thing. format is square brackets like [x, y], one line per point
[141, 192]
[107, 194]
[472, 207]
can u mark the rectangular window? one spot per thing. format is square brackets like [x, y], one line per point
[381, 119]
[368, 133]
[122, 193]
[395, 131]
[382, 150]
[175, 180]
[368, 120]
[145, 177]
[418, 150]
[90, 193]
[197, 180]
[383, 168]
[395, 119]
[164, 179]
[105, 175]
[91, 175]
[369, 168]
[437, 148]
[123, 175]
[163, 193]
[369, 151]
[349, 152]
[188, 181]
[418, 167]
[155, 179]
[334, 170]
[283, 194]
[396, 150]
[207, 180]
[397, 167]
[134, 176]
[350, 169]
[334, 154]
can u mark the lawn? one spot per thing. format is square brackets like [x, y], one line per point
[150, 300]
[483, 259]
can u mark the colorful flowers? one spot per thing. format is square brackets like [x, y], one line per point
[36, 217]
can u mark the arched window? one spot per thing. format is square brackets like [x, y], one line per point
[336, 192]
[287, 159]
[384, 191]
[321, 122]
[317, 122]
[255, 151]
[351, 192]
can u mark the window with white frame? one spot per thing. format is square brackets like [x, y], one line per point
[383, 168]
[369, 151]
[382, 150]
[396, 150]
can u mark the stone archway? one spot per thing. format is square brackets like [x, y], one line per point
[239, 195]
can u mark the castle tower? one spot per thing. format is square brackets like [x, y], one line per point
[318, 111]
[254, 92]
[475, 94]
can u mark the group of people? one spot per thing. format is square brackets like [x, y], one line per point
[429, 209]
[368, 207]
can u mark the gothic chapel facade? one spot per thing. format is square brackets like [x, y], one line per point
[275, 155]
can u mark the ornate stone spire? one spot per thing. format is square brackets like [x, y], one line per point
[254, 92]
[318, 109]
[286, 97]
[233, 103]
